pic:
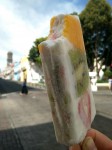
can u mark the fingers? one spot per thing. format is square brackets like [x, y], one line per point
[94, 140]
[75, 147]
[101, 141]
[88, 144]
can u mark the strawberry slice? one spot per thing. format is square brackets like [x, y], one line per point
[84, 109]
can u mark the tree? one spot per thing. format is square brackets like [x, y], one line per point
[96, 20]
[74, 13]
[34, 54]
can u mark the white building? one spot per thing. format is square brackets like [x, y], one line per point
[30, 71]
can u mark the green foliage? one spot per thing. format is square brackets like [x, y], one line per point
[34, 54]
[108, 73]
[38, 60]
[102, 81]
[74, 13]
[96, 20]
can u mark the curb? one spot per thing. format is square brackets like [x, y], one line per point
[103, 114]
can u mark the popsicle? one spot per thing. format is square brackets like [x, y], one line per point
[67, 79]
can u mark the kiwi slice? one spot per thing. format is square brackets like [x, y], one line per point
[78, 61]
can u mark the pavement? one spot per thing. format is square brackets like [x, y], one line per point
[26, 122]
[103, 101]
[8, 86]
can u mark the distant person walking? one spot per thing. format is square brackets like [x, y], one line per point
[24, 89]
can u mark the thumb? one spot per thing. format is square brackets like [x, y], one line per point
[88, 144]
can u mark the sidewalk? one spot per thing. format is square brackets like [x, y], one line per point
[103, 101]
[26, 122]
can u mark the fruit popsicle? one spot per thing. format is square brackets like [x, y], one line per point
[67, 79]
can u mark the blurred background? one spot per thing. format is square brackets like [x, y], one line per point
[25, 24]
[25, 120]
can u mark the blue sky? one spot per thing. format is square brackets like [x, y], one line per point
[22, 21]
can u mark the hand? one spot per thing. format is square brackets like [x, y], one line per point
[94, 140]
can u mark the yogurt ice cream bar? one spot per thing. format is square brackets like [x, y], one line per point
[67, 79]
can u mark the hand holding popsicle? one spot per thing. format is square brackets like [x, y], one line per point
[94, 140]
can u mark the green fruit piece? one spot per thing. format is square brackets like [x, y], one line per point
[78, 61]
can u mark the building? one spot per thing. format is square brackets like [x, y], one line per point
[9, 58]
[8, 72]
[24, 69]
[17, 71]
[29, 71]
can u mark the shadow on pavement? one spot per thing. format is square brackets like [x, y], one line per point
[103, 125]
[42, 137]
[38, 137]
[8, 86]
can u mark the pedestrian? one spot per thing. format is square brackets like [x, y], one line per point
[24, 89]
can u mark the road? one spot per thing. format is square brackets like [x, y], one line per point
[26, 122]
[8, 86]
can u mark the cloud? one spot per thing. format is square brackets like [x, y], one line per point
[21, 22]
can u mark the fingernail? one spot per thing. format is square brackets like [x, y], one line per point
[88, 144]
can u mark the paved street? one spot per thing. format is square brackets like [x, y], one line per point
[103, 100]
[7, 86]
[26, 123]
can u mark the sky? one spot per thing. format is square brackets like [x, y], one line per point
[23, 21]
